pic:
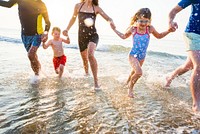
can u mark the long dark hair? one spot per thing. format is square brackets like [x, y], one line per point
[94, 2]
[143, 12]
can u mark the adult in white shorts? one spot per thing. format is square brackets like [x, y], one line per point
[192, 39]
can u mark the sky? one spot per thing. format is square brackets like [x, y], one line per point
[121, 11]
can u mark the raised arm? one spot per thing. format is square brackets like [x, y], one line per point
[160, 35]
[105, 16]
[67, 40]
[172, 15]
[8, 4]
[72, 20]
[123, 36]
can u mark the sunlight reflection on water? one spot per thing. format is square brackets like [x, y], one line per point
[70, 105]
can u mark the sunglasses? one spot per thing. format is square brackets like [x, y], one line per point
[143, 21]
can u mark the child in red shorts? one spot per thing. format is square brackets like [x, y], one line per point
[59, 59]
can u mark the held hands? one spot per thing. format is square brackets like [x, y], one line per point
[65, 33]
[44, 37]
[172, 26]
[171, 29]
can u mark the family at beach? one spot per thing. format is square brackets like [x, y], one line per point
[31, 13]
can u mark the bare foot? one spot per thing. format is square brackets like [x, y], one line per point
[131, 95]
[130, 92]
[196, 108]
[97, 88]
[125, 84]
[35, 80]
[168, 82]
[87, 75]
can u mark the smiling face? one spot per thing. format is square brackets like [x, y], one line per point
[56, 34]
[141, 18]
[142, 23]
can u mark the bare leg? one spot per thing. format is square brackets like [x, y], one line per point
[135, 74]
[57, 71]
[129, 78]
[132, 72]
[195, 80]
[84, 55]
[179, 71]
[93, 62]
[35, 64]
[61, 70]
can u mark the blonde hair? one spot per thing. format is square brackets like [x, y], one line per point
[56, 29]
[143, 12]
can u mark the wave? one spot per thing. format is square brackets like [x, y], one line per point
[113, 48]
[9, 39]
[163, 54]
[123, 49]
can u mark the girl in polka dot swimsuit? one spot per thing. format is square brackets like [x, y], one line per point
[140, 29]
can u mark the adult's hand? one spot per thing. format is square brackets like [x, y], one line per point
[65, 33]
[44, 37]
[173, 25]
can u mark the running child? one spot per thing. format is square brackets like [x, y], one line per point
[140, 28]
[59, 59]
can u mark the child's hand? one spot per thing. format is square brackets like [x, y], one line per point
[65, 33]
[68, 40]
[43, 45]
[172, 29]
[44, 37]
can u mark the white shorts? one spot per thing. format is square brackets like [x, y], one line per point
[192, 41]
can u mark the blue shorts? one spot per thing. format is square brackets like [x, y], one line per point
[192, 41]
[29, 41]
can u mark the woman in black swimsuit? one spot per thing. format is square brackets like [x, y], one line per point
[87, 34]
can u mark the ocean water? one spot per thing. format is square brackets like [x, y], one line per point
[70, 105]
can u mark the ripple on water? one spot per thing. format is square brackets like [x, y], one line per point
[72, 106]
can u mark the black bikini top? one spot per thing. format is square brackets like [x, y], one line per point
[84, 15]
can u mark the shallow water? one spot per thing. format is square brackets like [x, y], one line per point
[71, 105]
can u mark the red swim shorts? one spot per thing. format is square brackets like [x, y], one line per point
[59, 60]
